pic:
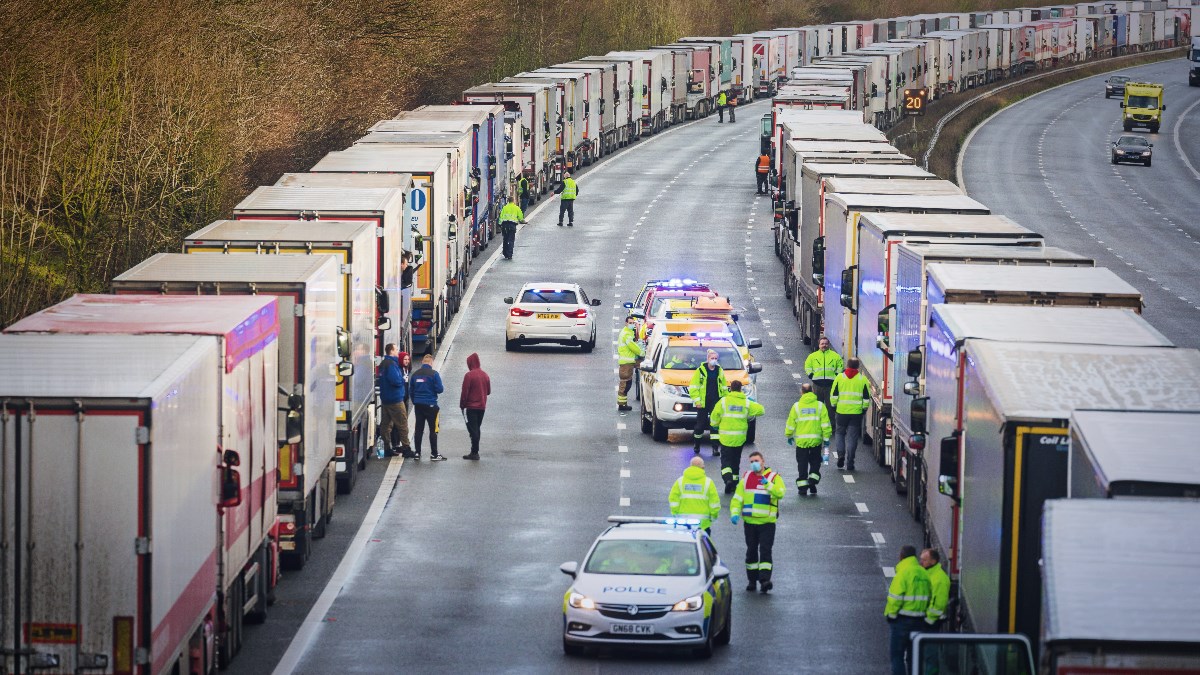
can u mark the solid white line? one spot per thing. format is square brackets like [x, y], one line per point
[862, 507]
[878, 538]
[345, 569]
[1179, 147]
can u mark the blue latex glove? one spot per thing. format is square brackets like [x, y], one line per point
[791, 441]
[734, 518]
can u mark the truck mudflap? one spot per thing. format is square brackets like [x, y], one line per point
[997, 654]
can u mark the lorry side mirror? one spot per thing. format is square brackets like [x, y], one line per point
[912, 388]
[231, 488]
[345, 369]
[383, 304]
[884, 336]
[383, 324]
[293, 426]
[231, 458]
[818, 261]
[1122, 104]
[343, 343]
[948, 476]
[295, 402]
[912, 367]
[848, 289]
[918, 413]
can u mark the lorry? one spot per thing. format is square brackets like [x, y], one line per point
[1133, 453]
[1143, 106]
[656, 95]
[588, 82]
[803, 200]
[678, 75]
[1000, 411]
[1194, 63]
[435, 207]
[566, 107]
[245, 332]
[533, 142]
[307, 289]
[351, 243]
[869, 287]
[702, 78]
[625, 106]
[104, 573]
[1145, 627]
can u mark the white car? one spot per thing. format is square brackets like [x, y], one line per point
[648, 582]
[551, 312]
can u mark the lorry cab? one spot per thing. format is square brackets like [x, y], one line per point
[1001, 654]
[1143, 106]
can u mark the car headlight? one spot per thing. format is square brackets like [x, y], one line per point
[579, 601]
[674, 390]
[1146, 153]
[689, 605]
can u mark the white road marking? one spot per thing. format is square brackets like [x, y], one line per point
[770, 333]
[624, 501]
[620, 425]
[878, 538]
[622, 448]
[787, 362]
[847, 478]
[861, 506]
[797, 376]
[624, 473]
[889, 572]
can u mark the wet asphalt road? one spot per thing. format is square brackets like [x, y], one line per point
[1045, 162]
[461, 573]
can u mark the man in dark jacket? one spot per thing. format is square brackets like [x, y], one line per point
[424, 386]
[472, 401]
[392, 392]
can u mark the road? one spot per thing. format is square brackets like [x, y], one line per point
[461, 572]
[1044, 162]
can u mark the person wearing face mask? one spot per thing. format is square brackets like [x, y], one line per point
[757, 502]
[708, 386]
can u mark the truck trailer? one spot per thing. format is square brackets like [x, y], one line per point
[307, 289]
[1132, 453]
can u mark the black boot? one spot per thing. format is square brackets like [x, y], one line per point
[752, 575]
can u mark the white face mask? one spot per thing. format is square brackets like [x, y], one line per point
[712, 361]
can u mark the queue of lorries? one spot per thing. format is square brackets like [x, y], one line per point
[168, 447]
[1005, 375]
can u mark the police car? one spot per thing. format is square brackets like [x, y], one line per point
[648, 582]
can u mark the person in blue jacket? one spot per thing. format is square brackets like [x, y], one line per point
[393, 392]
[424, 386]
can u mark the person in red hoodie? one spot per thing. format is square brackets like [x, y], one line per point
[472, 401]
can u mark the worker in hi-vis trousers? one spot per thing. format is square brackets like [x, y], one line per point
[757, 501]
[809, 430]
[731, 417]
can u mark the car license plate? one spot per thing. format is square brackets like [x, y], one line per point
[548, 316]
[632, 629]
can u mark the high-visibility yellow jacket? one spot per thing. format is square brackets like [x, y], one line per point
[699, 386]
[695, 494]
[628, 349]
[808, 422]
[823, 365]
[732, 416]
[757, 497]
[908, 594]
[570, 189]
[939, 587]
[511, 212]
[850, 395]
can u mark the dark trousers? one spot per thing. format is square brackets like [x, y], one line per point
[426, 414]
[509, 230]
[846, 437]
[899, 642]
[762, 182]
[822, 388]
[524, 201]
[759, 540]
[732, 114]
[566, 206]
[731, 464]
[474, 421]
[808, 467]
[702, 426]
[720, 113]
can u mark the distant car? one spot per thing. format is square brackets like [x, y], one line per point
[1132, 148]
[545, 312]
[648, 583]
[1115, 86]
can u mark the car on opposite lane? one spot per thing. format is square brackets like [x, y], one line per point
[547, 312]
[1132, 148]
[1115, 86]
[649, 583]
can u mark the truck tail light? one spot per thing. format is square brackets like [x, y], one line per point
[287, 528]
[517, 311]
[339, 450]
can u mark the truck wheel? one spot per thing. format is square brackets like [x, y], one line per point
[258, 613]
[345, 481]
[915, 496]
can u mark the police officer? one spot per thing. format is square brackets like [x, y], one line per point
[629, 353]
[939, 589]
[567, 191]
[822, 366]
[510, 216]
[732, 415]
[762, 172]
[695, 494]
[849, 396]
[722, 101]
[707, 387]
[808, 429]
[757, 501]
[907, 603]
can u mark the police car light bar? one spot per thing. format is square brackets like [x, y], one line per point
[655, 520]
[688, 333]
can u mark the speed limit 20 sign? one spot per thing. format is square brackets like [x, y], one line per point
[914, 101]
